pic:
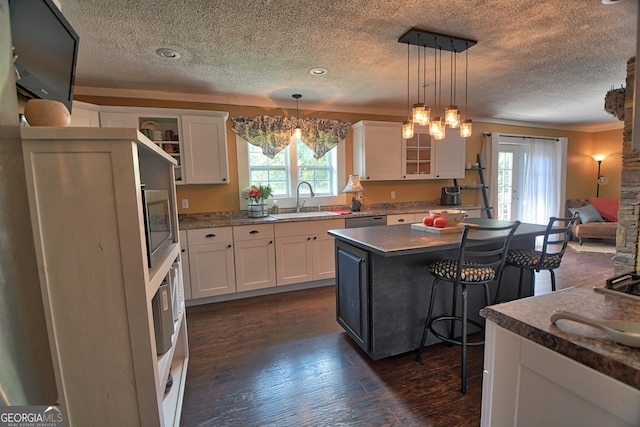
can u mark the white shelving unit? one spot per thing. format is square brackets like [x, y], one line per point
[84, 189]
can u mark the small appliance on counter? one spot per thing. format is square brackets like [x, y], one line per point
[450, 196]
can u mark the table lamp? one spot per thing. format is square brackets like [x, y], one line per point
[354, 186]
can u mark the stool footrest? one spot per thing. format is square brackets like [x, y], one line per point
[456, 319]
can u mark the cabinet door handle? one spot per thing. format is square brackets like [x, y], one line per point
[308, 238]
[183, 250]
[270, 242]
[254, 232]
[229, 245]
[315, 237]
[224, 179]
[210, 235]
[401, 220]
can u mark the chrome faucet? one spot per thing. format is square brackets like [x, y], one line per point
[298, 205]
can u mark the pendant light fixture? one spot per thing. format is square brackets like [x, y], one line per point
[466, 125]
[297, 133]
[426, 116]
[451, 114]
[407, 125]
[434, 117]
[437, 129]
[418, 107]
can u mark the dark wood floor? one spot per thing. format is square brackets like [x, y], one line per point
[282, 360]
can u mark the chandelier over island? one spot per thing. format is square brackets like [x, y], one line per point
[436, 116]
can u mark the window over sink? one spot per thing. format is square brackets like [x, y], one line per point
[290, 166]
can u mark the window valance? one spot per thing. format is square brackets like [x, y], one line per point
[274, 133]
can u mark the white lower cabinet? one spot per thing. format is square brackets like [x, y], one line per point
[184, 254]
[211, 261]
[254, 253]
[304, 251]
[525, 384]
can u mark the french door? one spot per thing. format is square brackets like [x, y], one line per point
[511, 158]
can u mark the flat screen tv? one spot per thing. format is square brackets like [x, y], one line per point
[46, 47]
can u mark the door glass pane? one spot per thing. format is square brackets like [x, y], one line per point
[505, 185]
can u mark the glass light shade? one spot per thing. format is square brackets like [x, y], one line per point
[407, 129]
[434, 126]
[465, 128]
[297, 133]
[418, 112]
[426, 117]
[452, 116]
[441, 132]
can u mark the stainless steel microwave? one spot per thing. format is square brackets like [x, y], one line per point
[157, 223]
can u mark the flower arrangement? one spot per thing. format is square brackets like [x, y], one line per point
[257, 193]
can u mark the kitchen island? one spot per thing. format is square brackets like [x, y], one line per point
[571, 370]
[383, 284]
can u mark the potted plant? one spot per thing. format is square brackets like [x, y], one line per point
[257, 195]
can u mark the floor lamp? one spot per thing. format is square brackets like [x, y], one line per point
[601, 179]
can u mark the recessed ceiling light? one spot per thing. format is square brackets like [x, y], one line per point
[165, 52]
[318, 71]
[611, 1]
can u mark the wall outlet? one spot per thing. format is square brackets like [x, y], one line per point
[393, 194]
[185, 203]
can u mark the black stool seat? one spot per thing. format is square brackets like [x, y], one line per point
[477, 264]
[548, 258]
[447, 269]
[533, 258]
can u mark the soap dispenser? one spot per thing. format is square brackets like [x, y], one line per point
[274, 208]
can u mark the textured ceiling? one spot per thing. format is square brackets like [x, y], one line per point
[536, 61]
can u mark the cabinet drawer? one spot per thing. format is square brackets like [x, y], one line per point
[252, 232]
[400, 219]
[308, 227]
[205, 236]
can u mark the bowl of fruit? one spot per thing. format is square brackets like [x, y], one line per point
[452, 217]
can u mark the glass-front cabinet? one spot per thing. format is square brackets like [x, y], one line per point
[164, 132]
[418, 155]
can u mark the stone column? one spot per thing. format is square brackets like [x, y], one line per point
[626, 258]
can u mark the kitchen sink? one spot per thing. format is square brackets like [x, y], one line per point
[292, 215]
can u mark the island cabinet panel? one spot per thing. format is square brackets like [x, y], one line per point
[352, 293]
[383, 284]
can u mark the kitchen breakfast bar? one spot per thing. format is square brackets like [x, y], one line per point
[383, 284]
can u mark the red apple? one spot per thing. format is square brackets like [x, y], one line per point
[428, 220]
[440, 222]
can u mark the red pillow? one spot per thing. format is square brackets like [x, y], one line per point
[607, 206]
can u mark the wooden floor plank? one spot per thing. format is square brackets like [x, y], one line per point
[282, 360]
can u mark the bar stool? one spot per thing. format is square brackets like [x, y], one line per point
[474, 266]
[545, 259]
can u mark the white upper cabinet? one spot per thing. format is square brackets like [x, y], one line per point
[381, 154]
[376, 150]
[205, 154]
[196, 139]
[85, 115]
[418, 155]
[450, 155]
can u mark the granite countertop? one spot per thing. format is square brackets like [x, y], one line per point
[529, 318]
[226, 219]
[400, 240]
